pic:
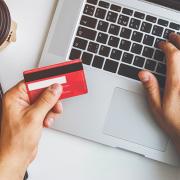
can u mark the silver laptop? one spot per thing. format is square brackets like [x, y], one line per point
[115, 40]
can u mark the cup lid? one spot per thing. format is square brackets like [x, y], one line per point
[5, 22]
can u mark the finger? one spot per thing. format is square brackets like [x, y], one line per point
[18, 88]
[47, 100]
[58, 108]
[18, 91]
[172, 60]
[167, 47]
[50, 118]
[151, 86]
[175, 39]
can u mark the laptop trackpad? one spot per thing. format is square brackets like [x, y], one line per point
[129, 118]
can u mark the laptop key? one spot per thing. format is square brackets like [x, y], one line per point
[174, 26]
[139, 61]
[80, 43]
[112, 16]
[87, 58]
[148, 52]
[102, 38]
[127, 58]
[163, 22]
[146, 27]
[111, 66]
[139, 15]
[86, 33]
[92, 2]
[104, 51]
[98, 62]
[114, 29]
[137, 36]
[125, 45]
[135, 23]
[89, 10]
[129, 71]
[136, 48]
[116, 54]
[93, 47]
[150, 65]
[75, 54]
[115, 8]
[148, 40]
[123, 20]
[158, 40]
[88, 21]
[157, 30]
[161, 80]
[104, 4]
[100, 13]
[167, 32]
[102, 26]
[125, 33]
[127, 11]
[151, 19]
[159, 55]
[113, 41]
[161, 68]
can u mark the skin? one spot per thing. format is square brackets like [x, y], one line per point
[22, 126]
[166, 108]
[22, 123]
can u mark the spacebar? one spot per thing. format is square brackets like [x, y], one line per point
[132, 72]
[129, 71]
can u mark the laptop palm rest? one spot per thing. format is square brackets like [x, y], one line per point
[129, 118]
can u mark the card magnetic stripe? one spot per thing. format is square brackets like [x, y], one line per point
[53, 72]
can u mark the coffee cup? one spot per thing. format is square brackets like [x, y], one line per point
[8, 27]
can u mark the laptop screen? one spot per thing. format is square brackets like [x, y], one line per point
[174, 4]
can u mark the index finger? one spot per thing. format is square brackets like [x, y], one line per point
[168, 48]
[172, 59]
[18, 90]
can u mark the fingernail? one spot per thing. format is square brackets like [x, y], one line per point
[144, 78]
[56, 88]
[172, 35]
[50, 122]
[161, 43]
[60, 105]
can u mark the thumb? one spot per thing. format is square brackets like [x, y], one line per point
[151, 86]
[47, 100]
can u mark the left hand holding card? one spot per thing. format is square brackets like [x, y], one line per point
[69, 74]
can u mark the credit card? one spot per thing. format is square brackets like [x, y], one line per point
[69, 74]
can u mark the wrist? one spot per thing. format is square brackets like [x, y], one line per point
[11, 168]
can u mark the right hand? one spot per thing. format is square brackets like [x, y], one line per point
[166, 109]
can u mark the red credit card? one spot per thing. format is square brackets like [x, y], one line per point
[69, 74]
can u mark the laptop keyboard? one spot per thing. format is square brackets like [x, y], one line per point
[121, 40]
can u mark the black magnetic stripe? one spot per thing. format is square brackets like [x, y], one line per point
[53, 72]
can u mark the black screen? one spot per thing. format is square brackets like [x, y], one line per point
[174, 4]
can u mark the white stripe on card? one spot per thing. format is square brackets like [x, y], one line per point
[46, 83]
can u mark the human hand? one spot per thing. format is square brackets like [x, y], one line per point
[166, 109]
[21, 127]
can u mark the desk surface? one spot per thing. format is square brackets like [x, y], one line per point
[61, 156]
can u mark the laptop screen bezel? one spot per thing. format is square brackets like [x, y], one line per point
[173, 4]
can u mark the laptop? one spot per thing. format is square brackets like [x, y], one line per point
[115, 39]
